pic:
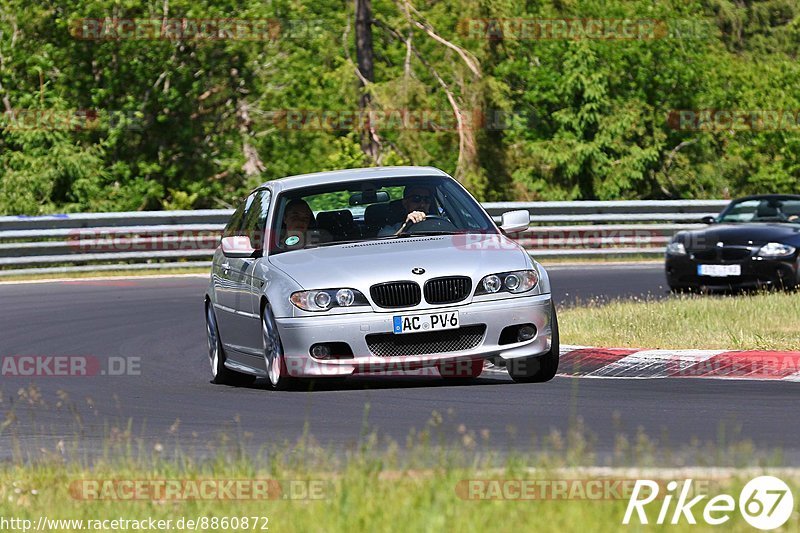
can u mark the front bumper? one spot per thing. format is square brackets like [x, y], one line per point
[299, 334]
[755, 272]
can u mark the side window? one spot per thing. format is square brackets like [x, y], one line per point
[235, 223]
[255, 217]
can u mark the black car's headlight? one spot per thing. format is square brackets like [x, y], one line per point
[676, 248]
[322, 300]
[513, 282]
[776, 249]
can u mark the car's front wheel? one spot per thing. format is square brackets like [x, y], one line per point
[221, 374]
[279, 378]
[540, 368]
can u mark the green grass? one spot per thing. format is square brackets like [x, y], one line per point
[762, 321]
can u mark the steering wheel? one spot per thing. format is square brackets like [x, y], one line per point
[431, 223]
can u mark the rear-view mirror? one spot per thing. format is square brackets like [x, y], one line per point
[369, 197]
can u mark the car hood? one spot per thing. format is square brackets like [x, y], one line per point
[740, 234]
[362, 264]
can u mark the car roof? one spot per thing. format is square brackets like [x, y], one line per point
[353, 174]
[768, 197]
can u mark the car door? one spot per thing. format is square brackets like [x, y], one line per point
[225, 293]
[254, 227]
[245, 323]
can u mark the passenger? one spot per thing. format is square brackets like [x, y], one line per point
[298, 219]
[416, 202]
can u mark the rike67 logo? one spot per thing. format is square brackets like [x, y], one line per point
[765, 503]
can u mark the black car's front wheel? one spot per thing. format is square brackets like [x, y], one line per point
[221, 374]
[540, 368]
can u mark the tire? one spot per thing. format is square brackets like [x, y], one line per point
[220, 374]
[540, 368]
[277, 373]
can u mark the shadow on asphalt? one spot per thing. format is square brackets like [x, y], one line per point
[359, 383]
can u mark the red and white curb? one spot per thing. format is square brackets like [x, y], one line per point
[589, 362]
[631, 363]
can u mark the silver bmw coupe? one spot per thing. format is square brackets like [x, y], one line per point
[375, 271]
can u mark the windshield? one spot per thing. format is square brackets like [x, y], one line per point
[374, 209]
[763, 210]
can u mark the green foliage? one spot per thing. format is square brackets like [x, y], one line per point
[187, 123]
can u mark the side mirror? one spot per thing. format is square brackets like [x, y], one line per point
[708, 220]
[239, 247]
[515, 221]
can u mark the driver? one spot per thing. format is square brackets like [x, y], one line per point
[416, 201]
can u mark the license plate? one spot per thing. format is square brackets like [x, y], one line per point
[420, 323]
[719, 271]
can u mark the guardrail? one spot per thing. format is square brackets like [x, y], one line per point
[176, 239]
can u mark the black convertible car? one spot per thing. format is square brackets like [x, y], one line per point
[754, 242]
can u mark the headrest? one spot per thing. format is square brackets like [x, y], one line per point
[377, 214]
[766, 210]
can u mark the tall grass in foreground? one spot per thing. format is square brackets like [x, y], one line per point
[762, 321]
[362, 497]
[367, 489]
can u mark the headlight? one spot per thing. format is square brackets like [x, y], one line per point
[491, 284]
[345, 297]
[513, 282]
[676, 248]
[776, 249]
[322, 300]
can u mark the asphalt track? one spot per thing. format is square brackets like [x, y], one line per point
[161, 322]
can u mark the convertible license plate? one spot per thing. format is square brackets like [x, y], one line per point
[719, 271]
[432, 322]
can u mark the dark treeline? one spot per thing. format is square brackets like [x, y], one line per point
[179, 104]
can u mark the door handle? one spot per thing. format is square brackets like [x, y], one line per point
[226, 267]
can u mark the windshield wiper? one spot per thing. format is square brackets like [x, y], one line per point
[334, 243]
[429, 233]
